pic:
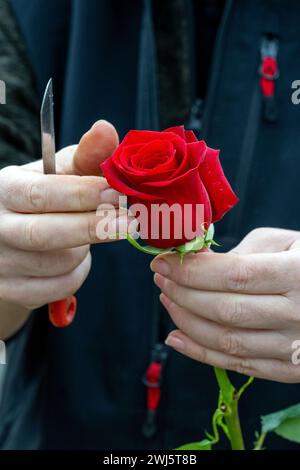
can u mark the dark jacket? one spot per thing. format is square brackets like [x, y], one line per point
[19, 132]
[82, 387]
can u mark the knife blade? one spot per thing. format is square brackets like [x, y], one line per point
[62, 312]
[47, 130]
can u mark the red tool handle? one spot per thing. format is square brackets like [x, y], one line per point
[62, 312]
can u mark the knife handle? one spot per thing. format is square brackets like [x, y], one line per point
[62, 312]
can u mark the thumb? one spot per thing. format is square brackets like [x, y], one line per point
[268, 240]
[295, 245]
[94, 147]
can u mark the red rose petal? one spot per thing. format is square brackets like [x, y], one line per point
[129, 167]
[220, 193]
[155, 156]
[142, 137]
[120, 183]
[190, 136]
[196, 153]
[178, 130]
[125, 155]
[179, 192]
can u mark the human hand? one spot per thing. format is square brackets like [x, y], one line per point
[47, 222]
[239, 310]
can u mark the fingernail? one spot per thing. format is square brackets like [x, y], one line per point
[97, 123]
[158, 280]
[164, 300]
[175, 343]
[160, 266]
[109, 196]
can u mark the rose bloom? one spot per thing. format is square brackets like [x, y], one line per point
[170, 167]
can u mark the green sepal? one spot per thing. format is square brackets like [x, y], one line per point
[193, 246]
[150, 250]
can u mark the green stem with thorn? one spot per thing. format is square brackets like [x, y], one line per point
[230, 397]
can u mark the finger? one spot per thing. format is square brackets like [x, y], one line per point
[264, 273]
[295, 245]
[270, 369]
[63, 162]
[20, 263]
[266, 240]
[34, 292]
[231, 309]
[46, 232]
[31, 192]
[94, 147]
[233, 341]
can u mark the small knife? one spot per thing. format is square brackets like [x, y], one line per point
[61, 312]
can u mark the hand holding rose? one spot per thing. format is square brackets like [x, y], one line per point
[240, 310]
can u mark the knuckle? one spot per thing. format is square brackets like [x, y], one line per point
[230, 343]
[242, 366]
[230, 312]
[179, 320]
[184, 274]
[34, 194]
[91, 229]
[41, 263]
[201, 355]
[238, 276]
[81, 197]
[173, 293]
[289, 304]
[32, 235]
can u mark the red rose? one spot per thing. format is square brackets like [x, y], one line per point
[170, 167]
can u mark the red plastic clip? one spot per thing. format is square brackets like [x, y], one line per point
[152, 380]
[153, 376]
[269, 72]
